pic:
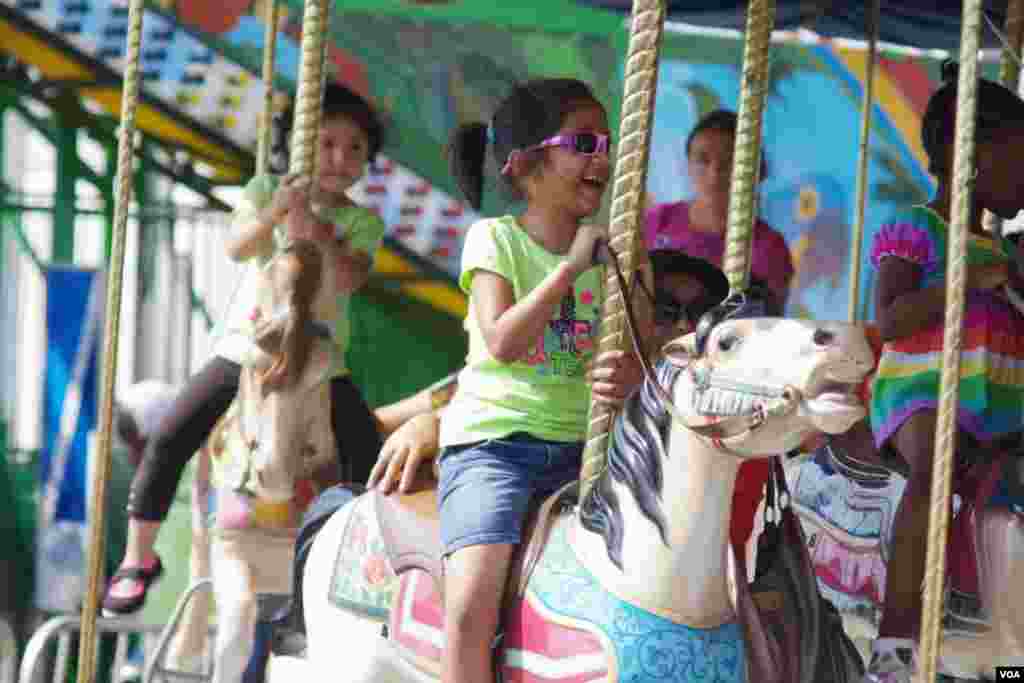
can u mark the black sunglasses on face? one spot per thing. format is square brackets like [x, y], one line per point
[668, 311]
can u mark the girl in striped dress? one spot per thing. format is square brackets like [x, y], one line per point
[909, 253]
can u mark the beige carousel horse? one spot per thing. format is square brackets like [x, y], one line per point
[846, 504]
[635, 584]
[273, 451]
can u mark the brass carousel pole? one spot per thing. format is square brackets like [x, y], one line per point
[747, 156]
[111, 329]
[267, 123]
[640, 86]
[867, 106]
[309, 93]
[945, 433]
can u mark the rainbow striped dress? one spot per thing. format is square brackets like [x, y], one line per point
[991, 392]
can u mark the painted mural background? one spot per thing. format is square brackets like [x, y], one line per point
[432, 71]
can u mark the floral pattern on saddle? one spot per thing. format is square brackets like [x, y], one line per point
[362, 580]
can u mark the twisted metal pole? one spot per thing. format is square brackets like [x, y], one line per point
[638, 98]
[309, 93]
[111, 328]
[956, 260]
[747, 155]
[1009, 74]
[867, 106]
[263, 143]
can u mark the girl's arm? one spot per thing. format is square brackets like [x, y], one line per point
[432, 398]
[511, 327]
[253, 234]
[902, 308]
[394, 415]
[405, 452]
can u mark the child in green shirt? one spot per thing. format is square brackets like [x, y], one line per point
[272, 209]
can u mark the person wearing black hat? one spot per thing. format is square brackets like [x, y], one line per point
[685, 288]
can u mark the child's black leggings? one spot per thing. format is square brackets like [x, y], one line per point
[194, 413]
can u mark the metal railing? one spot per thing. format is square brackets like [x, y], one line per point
[8, 653]
[63, 629]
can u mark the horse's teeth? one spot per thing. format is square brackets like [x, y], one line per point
[714, 401]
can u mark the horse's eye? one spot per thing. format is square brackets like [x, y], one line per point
[727, 342]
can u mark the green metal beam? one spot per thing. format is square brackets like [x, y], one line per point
[12, 219]
[67, 194]
[6, 204]
[102, 129]
[49, 130]
[107, 192]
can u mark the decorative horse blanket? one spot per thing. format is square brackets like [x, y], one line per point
[569, 629]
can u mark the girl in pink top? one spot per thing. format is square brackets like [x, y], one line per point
[698, 227]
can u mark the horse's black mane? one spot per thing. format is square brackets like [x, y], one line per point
[639, 439]
[637, 447]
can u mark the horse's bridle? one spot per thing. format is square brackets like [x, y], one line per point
[724, 433]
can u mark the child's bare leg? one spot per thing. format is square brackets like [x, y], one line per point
[474, 586]
[901, 613]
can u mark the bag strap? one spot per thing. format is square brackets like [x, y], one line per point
[781, 488]
[776, 494]
[762, 652]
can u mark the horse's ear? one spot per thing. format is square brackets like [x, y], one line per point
[681, 351]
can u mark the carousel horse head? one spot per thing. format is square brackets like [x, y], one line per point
[802, 376]
[288, 372]
[293, 282]
[742, 386]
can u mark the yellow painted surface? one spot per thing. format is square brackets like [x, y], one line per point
[57, 64]
[161, 126]
[52, 61]
[444, 296]
[890, 99]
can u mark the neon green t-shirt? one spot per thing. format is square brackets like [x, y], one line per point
[544, 394]
[364, 231]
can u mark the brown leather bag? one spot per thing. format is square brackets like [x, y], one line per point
[794, 635]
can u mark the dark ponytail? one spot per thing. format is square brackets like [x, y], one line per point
[467, 153]
[531, 112]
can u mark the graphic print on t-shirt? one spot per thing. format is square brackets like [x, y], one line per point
[568, 340]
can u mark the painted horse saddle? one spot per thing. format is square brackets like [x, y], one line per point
[411, 531]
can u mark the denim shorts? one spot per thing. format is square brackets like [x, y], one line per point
[486, 487]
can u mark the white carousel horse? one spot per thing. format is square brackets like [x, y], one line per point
[273, 451]
[634, 586]
[846, 506]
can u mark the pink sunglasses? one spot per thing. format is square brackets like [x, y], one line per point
[588, 144]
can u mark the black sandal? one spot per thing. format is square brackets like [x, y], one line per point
[119, 607]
